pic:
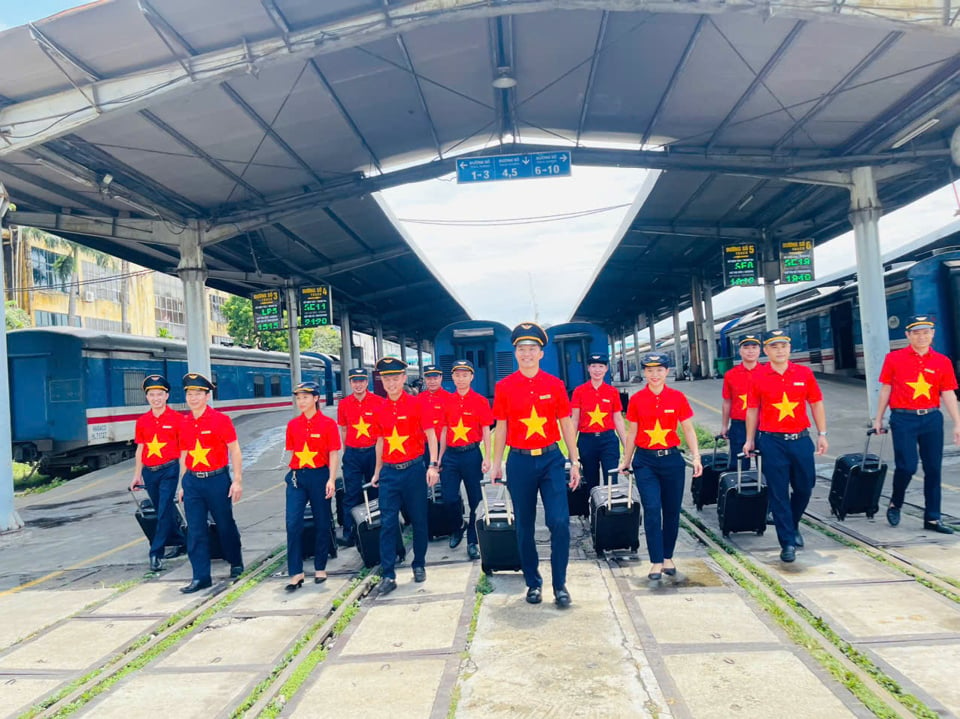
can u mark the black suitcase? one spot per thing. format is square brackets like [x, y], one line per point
[146, 516]
[439, 521]
[308, 540]
[615, 515]
[704, 488]
[742, 500]
[497, 533]
[858, 481]
[366, 516]
[578, 500]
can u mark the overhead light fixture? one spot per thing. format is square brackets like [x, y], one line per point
[915, 133]
[106, 180]
[65, 172]
[504, 80]
[744, 202]
[136, 205]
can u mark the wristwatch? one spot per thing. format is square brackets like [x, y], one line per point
[822, 434]
[434, 464]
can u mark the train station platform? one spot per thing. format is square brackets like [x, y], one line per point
[866, 622]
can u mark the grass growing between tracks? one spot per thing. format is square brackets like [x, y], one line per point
[483, 588]
[798, 635]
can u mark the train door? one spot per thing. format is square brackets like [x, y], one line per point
[573, 360]
[29, 411]
[952, 303]
[481, 355]
[841, 326]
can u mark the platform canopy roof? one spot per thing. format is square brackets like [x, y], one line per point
[267, 124]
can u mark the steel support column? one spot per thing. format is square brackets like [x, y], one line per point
[677, 349]
[865, 211]
[346, 351]
[636, 345]
[403, 347]
[653, 333]
[695, 343]
[293, 336]
[377, 339]
[192, 271]
[9, 519]
[420, 355]
[709, 330]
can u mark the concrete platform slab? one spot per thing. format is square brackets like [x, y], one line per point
[270, 596]
[445, 579]
[691, 572]
[896, 609]
[932, 667]
[187, 696]
[372, 691]
[76, 644]
[702, 618]
[942, 558]
[235, 641]
[18, 693]
[147, 598]
[25, 613]
[826, 561]
[405, 628]
[749, 685]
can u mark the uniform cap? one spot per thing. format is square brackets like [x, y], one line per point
[391, 365]
[463, 364]
[598, 358]
[431, 369]
[307, 388]
[749, 340]
[920, 322]
[195, 380]
[528, 333]
[156, 381]
[777, 335]
[358, 373]
[654, 361]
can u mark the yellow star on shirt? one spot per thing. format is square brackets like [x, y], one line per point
[396, 441]
[785, 406]
[658, 435]
[305, 456]
[199, 455]
[363, 428]
[921, 388]
[596, 417]
[743, 398]
[535, 424]
[460, 431]
[154, 447]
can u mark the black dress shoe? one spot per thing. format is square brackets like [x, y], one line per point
[534, 595]
[196, 585]
[156, 564]
[788, 553]
[670, 571]
[341, 542]
[473, 551]
[319, 580]
[654, 576]
[561, 597]
[798, 540]
[175, 552]
[419, 574]
[456, 538]
[938, 527]
[387, 585]
[893, 516]
[294, 586]
[235, 571]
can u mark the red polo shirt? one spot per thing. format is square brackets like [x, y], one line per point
[160, 437]
[431, 403]
[311, 440]
[596, 406]
[401, 424]
[657, 417]
[531, 406]
[783, 398]
[916, 380]
[736, 388]
[465, 416]
[205, 440]
[357, 417]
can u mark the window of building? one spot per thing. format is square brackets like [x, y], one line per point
[100, 283]
[95, 323]
[42, 318]
[168, 305]
[275, 386]
[133, 388]
[44, 276]
[216, 309]
[222, 340]
[259, 387]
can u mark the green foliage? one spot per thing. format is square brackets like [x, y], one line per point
[705, 438]
[16, 317]
[325, 339]
[164, 333]
[239, 314]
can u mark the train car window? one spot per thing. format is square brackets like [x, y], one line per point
[469, 356]
[275, 386]
[133, 388]
[259, 386]
[481, 358]
[216, 385]
[813, 332]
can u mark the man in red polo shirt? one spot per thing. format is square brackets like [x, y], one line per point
[598, 416]
[355, 417]
[528, 405]
[157, 466]
[401, 427]
[466, 425]
[736, 389]
[432, 399]
[208, 443]
[913, 382]
[777, 405]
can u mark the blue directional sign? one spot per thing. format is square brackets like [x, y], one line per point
[513, 167]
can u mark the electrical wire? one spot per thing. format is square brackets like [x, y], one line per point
[559, 217]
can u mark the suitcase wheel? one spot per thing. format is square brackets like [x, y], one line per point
[870, 516]
[761, 531]
[726, 535]
[600, 554]
[841, 516]
[699, 507]
[487, 570]
[634, 548]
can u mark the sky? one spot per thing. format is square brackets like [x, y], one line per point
[20, 12]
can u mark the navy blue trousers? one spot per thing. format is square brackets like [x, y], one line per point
[463, 467]
[311, 487]
[358, 466]
[918, 437]
[527, 475]
[406, 489]
[597, 453]
[161, 487]
[209, 496]
[660, 483]
[736, 436]
[788, 468]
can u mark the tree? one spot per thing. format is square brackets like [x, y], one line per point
[16, 317]
[239, 314]
[326, 340]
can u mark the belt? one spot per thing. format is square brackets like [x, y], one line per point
[158, 467]
[361, 449]
[211, 473]
[463, 447]
[538, 451]
[788, 436]
[604, 433]
[739, 421]
[660, 452]
[403, 465]
[926, 410]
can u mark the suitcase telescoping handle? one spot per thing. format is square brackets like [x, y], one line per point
[610, 475]
[754, 453]
[486, 506]
[366, 497]
[717, 439]
[866, 448]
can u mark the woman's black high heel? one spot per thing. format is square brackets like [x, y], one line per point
[294, 586]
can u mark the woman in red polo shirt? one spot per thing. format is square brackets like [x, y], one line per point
[653, 445]
[313, 441]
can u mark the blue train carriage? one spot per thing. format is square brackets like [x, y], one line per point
[75, 394]
[935, 284]
[568, 346]
[486, 344]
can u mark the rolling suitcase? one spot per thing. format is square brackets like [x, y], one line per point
[704, 488]
[439, 521]
[146, 516]
[497, 533]
[366, 516]
[308, 540]
[578, 500]
[615, 515]
[742, 500]
[857, 482]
